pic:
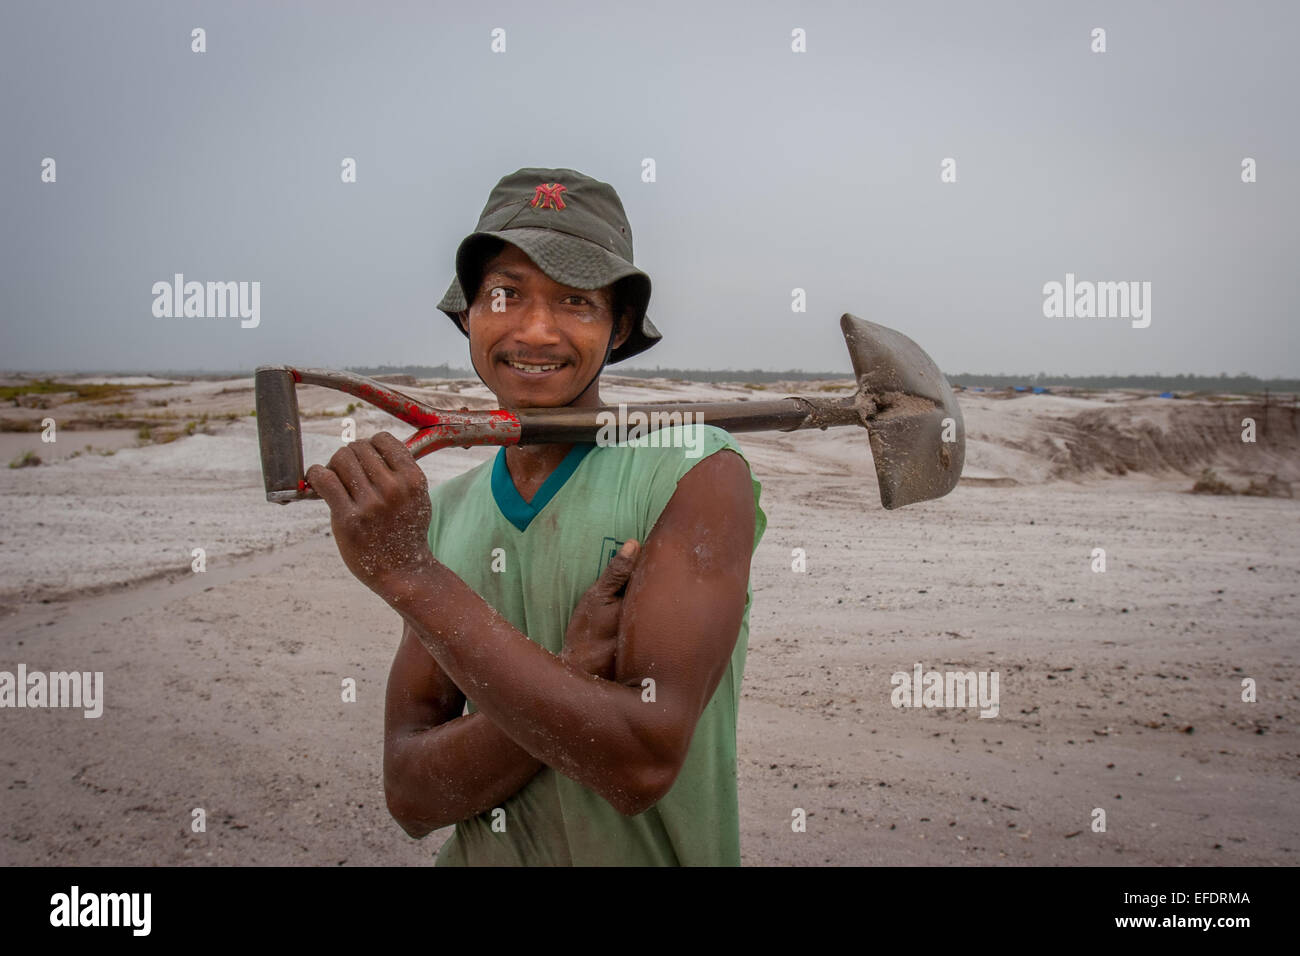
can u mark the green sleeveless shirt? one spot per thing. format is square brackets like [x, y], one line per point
[551, 550]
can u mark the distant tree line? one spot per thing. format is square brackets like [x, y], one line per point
[1237, 384]
[419, 371]
[1214, 384]
[687, 374]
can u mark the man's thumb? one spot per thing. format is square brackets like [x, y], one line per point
[620, 566]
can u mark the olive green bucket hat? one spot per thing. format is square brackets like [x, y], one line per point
[575, 230]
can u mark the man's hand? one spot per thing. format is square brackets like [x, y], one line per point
[591, 640]
[379, 509]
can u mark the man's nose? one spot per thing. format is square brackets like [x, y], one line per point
[537, 323]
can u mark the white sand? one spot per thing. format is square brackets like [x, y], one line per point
[223, 687]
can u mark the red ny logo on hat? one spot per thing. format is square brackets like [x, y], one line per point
[549, 194]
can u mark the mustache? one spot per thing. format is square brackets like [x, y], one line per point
[533, 359]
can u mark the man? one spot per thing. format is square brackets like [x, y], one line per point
[602, 677]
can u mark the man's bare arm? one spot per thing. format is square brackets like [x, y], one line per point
[441, 767]
[681, 618]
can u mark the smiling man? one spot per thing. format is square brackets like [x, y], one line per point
[562, 693]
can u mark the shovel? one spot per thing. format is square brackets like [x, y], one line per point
[918, 439]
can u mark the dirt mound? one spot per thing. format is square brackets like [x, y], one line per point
[1032, 442]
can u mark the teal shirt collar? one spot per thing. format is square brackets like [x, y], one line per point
[512, 505]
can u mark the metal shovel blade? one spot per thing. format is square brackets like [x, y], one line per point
[918, 438]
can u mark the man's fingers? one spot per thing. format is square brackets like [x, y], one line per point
[348, 468]
[326, 484]
[398, 457]
[374, 466]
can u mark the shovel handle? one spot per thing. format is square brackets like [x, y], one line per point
[913, 420]
[279, 426]
[280, 437]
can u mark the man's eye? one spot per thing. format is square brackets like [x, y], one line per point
[580, 300]
[501, 290]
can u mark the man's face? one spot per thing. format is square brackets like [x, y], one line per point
[544, 341]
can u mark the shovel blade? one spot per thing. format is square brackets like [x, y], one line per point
[918, 438]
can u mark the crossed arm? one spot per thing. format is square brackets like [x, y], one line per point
[679, 623]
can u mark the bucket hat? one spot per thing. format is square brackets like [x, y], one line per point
[575, 230]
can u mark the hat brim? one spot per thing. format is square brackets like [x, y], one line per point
[566, 259]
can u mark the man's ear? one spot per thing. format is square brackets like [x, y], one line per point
[463, 318]
[624, 329]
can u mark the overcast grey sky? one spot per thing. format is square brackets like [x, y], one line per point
[775, 170]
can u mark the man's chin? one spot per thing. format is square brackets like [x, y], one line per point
[528, 402]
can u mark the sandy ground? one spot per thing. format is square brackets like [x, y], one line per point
[1119, 691]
